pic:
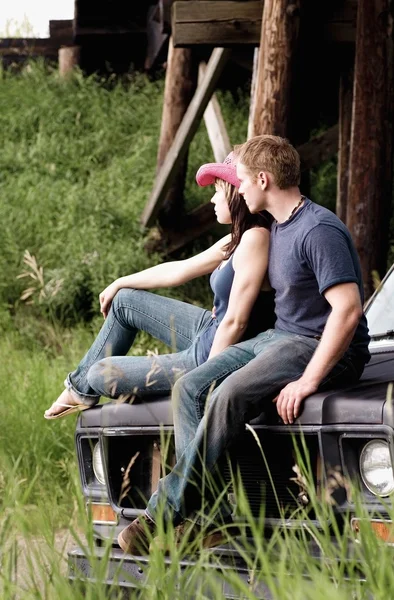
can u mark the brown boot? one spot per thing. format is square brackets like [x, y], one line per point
[191, 536]
[136, 537]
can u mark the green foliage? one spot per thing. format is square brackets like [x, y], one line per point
[77, 166]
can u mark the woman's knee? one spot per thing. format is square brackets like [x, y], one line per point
[124, 296]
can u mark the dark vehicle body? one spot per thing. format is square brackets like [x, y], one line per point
[335, 426]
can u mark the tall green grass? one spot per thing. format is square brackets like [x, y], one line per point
[280, 565]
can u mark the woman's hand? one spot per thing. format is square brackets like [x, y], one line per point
[107, 296]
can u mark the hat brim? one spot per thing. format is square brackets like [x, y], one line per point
[207, 174]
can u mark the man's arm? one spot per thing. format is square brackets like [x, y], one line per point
[345, 315]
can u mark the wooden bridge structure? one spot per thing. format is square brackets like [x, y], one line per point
[308, 61]
[298, 48]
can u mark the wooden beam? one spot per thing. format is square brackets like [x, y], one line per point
[215, 124]
[61, 31]
[253, 93]
[371, 145]
[46, 47]
[180, 85]
[278, 42]
[207, 22]
[231, 22]
[185, 134]
[111, 30]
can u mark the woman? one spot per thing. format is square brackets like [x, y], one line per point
[238, 263]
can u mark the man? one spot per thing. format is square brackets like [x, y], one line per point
[320, 338]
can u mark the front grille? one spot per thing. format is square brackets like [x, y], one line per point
[134, 465]
[268, 481]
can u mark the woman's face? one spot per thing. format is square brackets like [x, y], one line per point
[220, 203]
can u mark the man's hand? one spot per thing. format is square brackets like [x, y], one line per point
[288, 403]
[106, 298]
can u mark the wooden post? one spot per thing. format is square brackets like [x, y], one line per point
[370, 177]
[184, 135]
[69, 57]
[253, 93]
[345, 122]
[279, 35]
[180, 85]
[214, 122]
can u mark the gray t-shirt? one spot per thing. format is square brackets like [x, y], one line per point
[310, 253]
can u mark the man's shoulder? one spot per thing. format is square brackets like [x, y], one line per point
[320, 218]
[321, 215]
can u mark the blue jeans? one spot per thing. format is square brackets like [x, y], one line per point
[106, 371]
[213, 403]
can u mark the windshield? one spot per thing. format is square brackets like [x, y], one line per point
[380, 308]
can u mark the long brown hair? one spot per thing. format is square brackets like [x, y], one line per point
[241, 218]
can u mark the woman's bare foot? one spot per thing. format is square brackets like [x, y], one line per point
[65, 404]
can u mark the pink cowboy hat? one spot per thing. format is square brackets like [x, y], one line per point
[207, 174]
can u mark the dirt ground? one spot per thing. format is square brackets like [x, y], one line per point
[35, 562]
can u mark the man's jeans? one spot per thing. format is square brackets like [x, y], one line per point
[106, 371]
[206, 422]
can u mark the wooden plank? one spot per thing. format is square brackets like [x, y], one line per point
[371, 146]
[215, 125]
[61, 31]
[45, 47]
[111, 30]
[219, 23]
[185, 134]
[278, 43]
[231, 22]
[253, 93]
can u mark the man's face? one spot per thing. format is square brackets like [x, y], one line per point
[251, 189]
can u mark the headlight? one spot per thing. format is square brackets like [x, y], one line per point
[376, 468]
[98, 467]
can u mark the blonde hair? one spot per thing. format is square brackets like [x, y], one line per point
[274, 154]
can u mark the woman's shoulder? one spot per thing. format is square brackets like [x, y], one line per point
[255, 235]
[254, 244]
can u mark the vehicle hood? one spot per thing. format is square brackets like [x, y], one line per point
[364, 403]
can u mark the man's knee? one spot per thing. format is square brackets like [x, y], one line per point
[180, 393]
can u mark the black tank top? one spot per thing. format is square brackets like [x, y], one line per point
[262, 316]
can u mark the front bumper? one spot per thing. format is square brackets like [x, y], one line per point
[130, 573]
